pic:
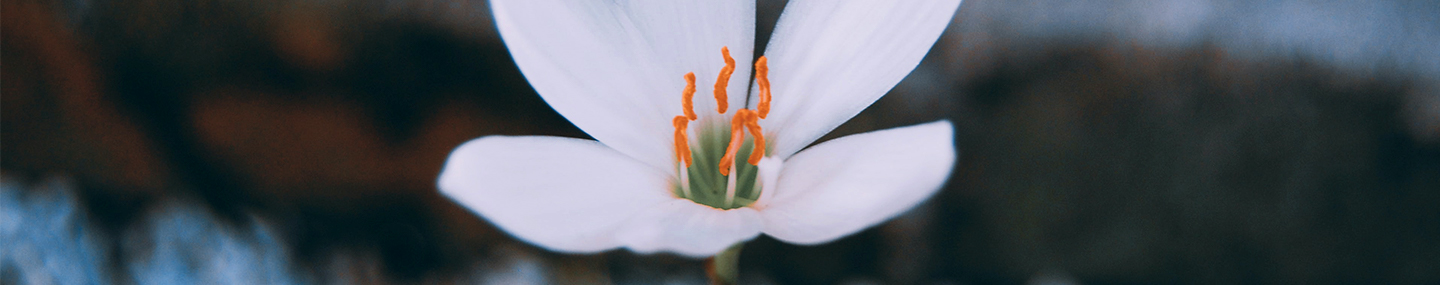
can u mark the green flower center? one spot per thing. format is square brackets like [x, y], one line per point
[707, 186]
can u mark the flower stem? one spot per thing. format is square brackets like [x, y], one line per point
[724, 267]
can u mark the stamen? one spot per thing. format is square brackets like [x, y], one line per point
[682, 144]
[689, 96]
[684, 180]
[759, 150]
[730, 189]
[724, 81]
[736, 137]
[762, 78]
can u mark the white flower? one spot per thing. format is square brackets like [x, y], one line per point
[620, 72]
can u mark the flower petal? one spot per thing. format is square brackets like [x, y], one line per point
[691, 229]
[769, 168]
[848, 184]
[831, 59]
[616, 70]
[559, 193]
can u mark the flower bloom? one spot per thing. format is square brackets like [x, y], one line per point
[680, 172]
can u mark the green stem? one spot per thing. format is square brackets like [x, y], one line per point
[724, 267]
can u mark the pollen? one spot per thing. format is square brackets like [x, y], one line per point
[737, 185]
[762, 78]
[758, 152]
[724, 81]
[737, 135]
[682, 142]
[743, 120]
[689, 96]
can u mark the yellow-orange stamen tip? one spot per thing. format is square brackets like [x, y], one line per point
[689, 96]
[737, 136]
[762, 78]
[723, 104]
[682, 142]
[758, 152]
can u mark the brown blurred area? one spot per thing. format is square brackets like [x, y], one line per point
[1097, 159]
[333, 124]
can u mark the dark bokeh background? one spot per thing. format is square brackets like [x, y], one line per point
[1101, 142]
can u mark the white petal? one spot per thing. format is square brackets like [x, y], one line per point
[769, 168]
[691, 229]
[831, 59]
[848, 184]
[616, 70]
[559, 193]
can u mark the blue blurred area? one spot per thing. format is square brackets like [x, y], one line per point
[47, 239]
[1356, 34]
[50, 241]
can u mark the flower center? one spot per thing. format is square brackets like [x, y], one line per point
[715, 179]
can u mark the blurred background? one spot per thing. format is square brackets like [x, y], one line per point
[1101, 142]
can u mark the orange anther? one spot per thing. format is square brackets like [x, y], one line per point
[753, 124]
[737, 136]
[689, 96]
[682, 145]
[762, 78]
[724, 81]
